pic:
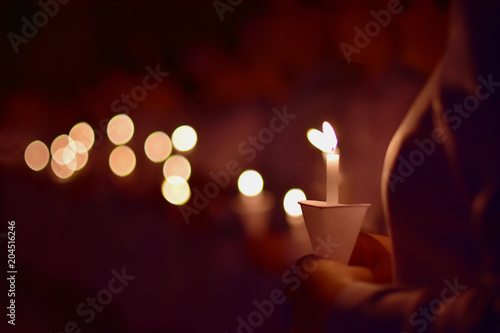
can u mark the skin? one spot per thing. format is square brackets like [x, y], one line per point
[371, 261]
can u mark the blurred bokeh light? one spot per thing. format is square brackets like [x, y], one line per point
[122, 161]
[120, 129]
[58, 147]
[250, 183]
[84, 133]
[36, 155]
[177, 165]
[175, 190]
[63, 171]
[184, 138]
[158, 146]
[81, 155]
[290, 201]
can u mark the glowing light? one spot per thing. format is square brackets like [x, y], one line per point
[36, 155]
[62, 171]
[84, 133]
[68, 154]
[175, 190]
[81, 155]
[122, 161]
[74, 155]
[58, 147]
[326, 140]
[290, 202]
[250, 183]
[120, 129]
[158, 146]
[177, 165]
[184, 138]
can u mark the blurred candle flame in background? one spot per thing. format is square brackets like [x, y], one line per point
[176, 190]
[122, 161]
[120, 129]
[37, 155]
[290, 201]
[250, 183]
[158, 146]
[177, 165]
[184, 138]
[84, 133]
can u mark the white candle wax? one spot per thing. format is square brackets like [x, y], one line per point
[332, 179]
[327, 142]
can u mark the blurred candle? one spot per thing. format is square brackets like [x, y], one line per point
[253, 204]
[184, 138]
[250, 185]
[292, 207]
[327, 142]
[299, 238]
[37, 155]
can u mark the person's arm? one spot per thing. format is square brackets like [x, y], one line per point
[458, 308]
[311, 303]
[341, 298]
[338, 298]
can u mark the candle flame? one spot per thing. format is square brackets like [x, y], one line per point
[326, 140]
[291, 202]
[250, 183]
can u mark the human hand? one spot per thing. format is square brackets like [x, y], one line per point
[375, 253]
[321, 281]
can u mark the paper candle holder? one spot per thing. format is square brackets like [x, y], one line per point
[333, 230]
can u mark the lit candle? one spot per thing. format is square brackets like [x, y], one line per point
[253, 204]
[250, 184]
[292, 207]
[327, 142]
[299, 238]
[332, 179]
